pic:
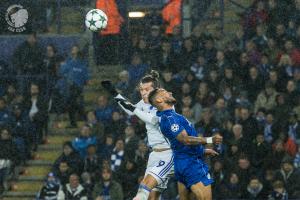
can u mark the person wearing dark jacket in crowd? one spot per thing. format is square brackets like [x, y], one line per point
[107, 188]
[8, 156]
[290, 177]
[255, 190]
[5, 114]
[28, 57]
[50, 189]
[92, 162]
[244, 171]
[63, 173]
[131, 141]
[260, 148]
[70, 156]
[37, 108]
[231, 188]
[278, 192]
[21, 128]
[127, 176]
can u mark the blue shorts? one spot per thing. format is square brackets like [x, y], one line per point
[192, 170]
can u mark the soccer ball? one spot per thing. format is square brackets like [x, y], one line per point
[96, 20]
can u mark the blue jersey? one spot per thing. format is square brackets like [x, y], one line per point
[189, 166]
[171, 124]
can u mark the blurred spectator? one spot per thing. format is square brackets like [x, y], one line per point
[107, 188]
[75, 71]
[123, 85]
[117, 125]
[141, 156]
[220, 111]
[104, 110]
[136, 69]
[37, 108]
[194, 109]
[218, 174]
[297, 159]
[278, 192]
[9, 157]
[131, 141]
[254, 84]
[50, 188]
[293, 53]
[127, 176]
[154, 38]
[206, 123]
[260, 39]
[21, 131]
[249, 124]
[260, 149]
[5, 114]
[231, 188]
[28, 57]
[97, 128]
[293, 128]
[85, 139]
[240, 140]
[245, 171]
[92, 162]
[106, 149]
[255, 190]
[117, 155]
[70, 156]
[12, 96]
[204, 96]
[187, 56]
[165, 57]
[73, 190]
[199, 67]
[290, 177]
[63, 173]
[278, 152]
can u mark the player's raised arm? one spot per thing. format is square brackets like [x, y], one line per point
[191, 140]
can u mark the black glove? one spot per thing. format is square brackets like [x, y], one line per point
[108, 86]
[126, 104]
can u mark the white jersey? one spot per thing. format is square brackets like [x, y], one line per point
[160, 164]
[155, 138]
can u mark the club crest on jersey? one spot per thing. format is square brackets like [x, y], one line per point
[174, 127]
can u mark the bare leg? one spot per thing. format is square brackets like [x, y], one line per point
[183, 191]
[201, 191]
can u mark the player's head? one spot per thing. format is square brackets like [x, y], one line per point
[161, 99]
[148, 83]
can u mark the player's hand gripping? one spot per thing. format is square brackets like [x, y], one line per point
[217, 139]
[210, 152]
[125, 103]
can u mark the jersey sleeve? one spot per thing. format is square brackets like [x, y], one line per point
[173, 126]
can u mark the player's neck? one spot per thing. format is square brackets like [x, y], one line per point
[167, 107]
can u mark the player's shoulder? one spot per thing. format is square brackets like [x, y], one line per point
[141, 103]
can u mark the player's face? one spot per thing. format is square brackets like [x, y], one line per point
[145, 89]
[167, 97]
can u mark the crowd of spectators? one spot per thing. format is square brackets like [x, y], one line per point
[247, 90]
[40, 82]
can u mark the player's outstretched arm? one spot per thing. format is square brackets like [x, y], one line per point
[131, 109]
[191, 140]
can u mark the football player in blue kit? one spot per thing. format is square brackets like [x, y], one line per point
[191, 171]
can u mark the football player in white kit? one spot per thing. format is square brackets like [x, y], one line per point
[160, 161]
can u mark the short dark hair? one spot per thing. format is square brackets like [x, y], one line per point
[152, 95]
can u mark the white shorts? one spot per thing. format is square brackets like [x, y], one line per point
[161, 167]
